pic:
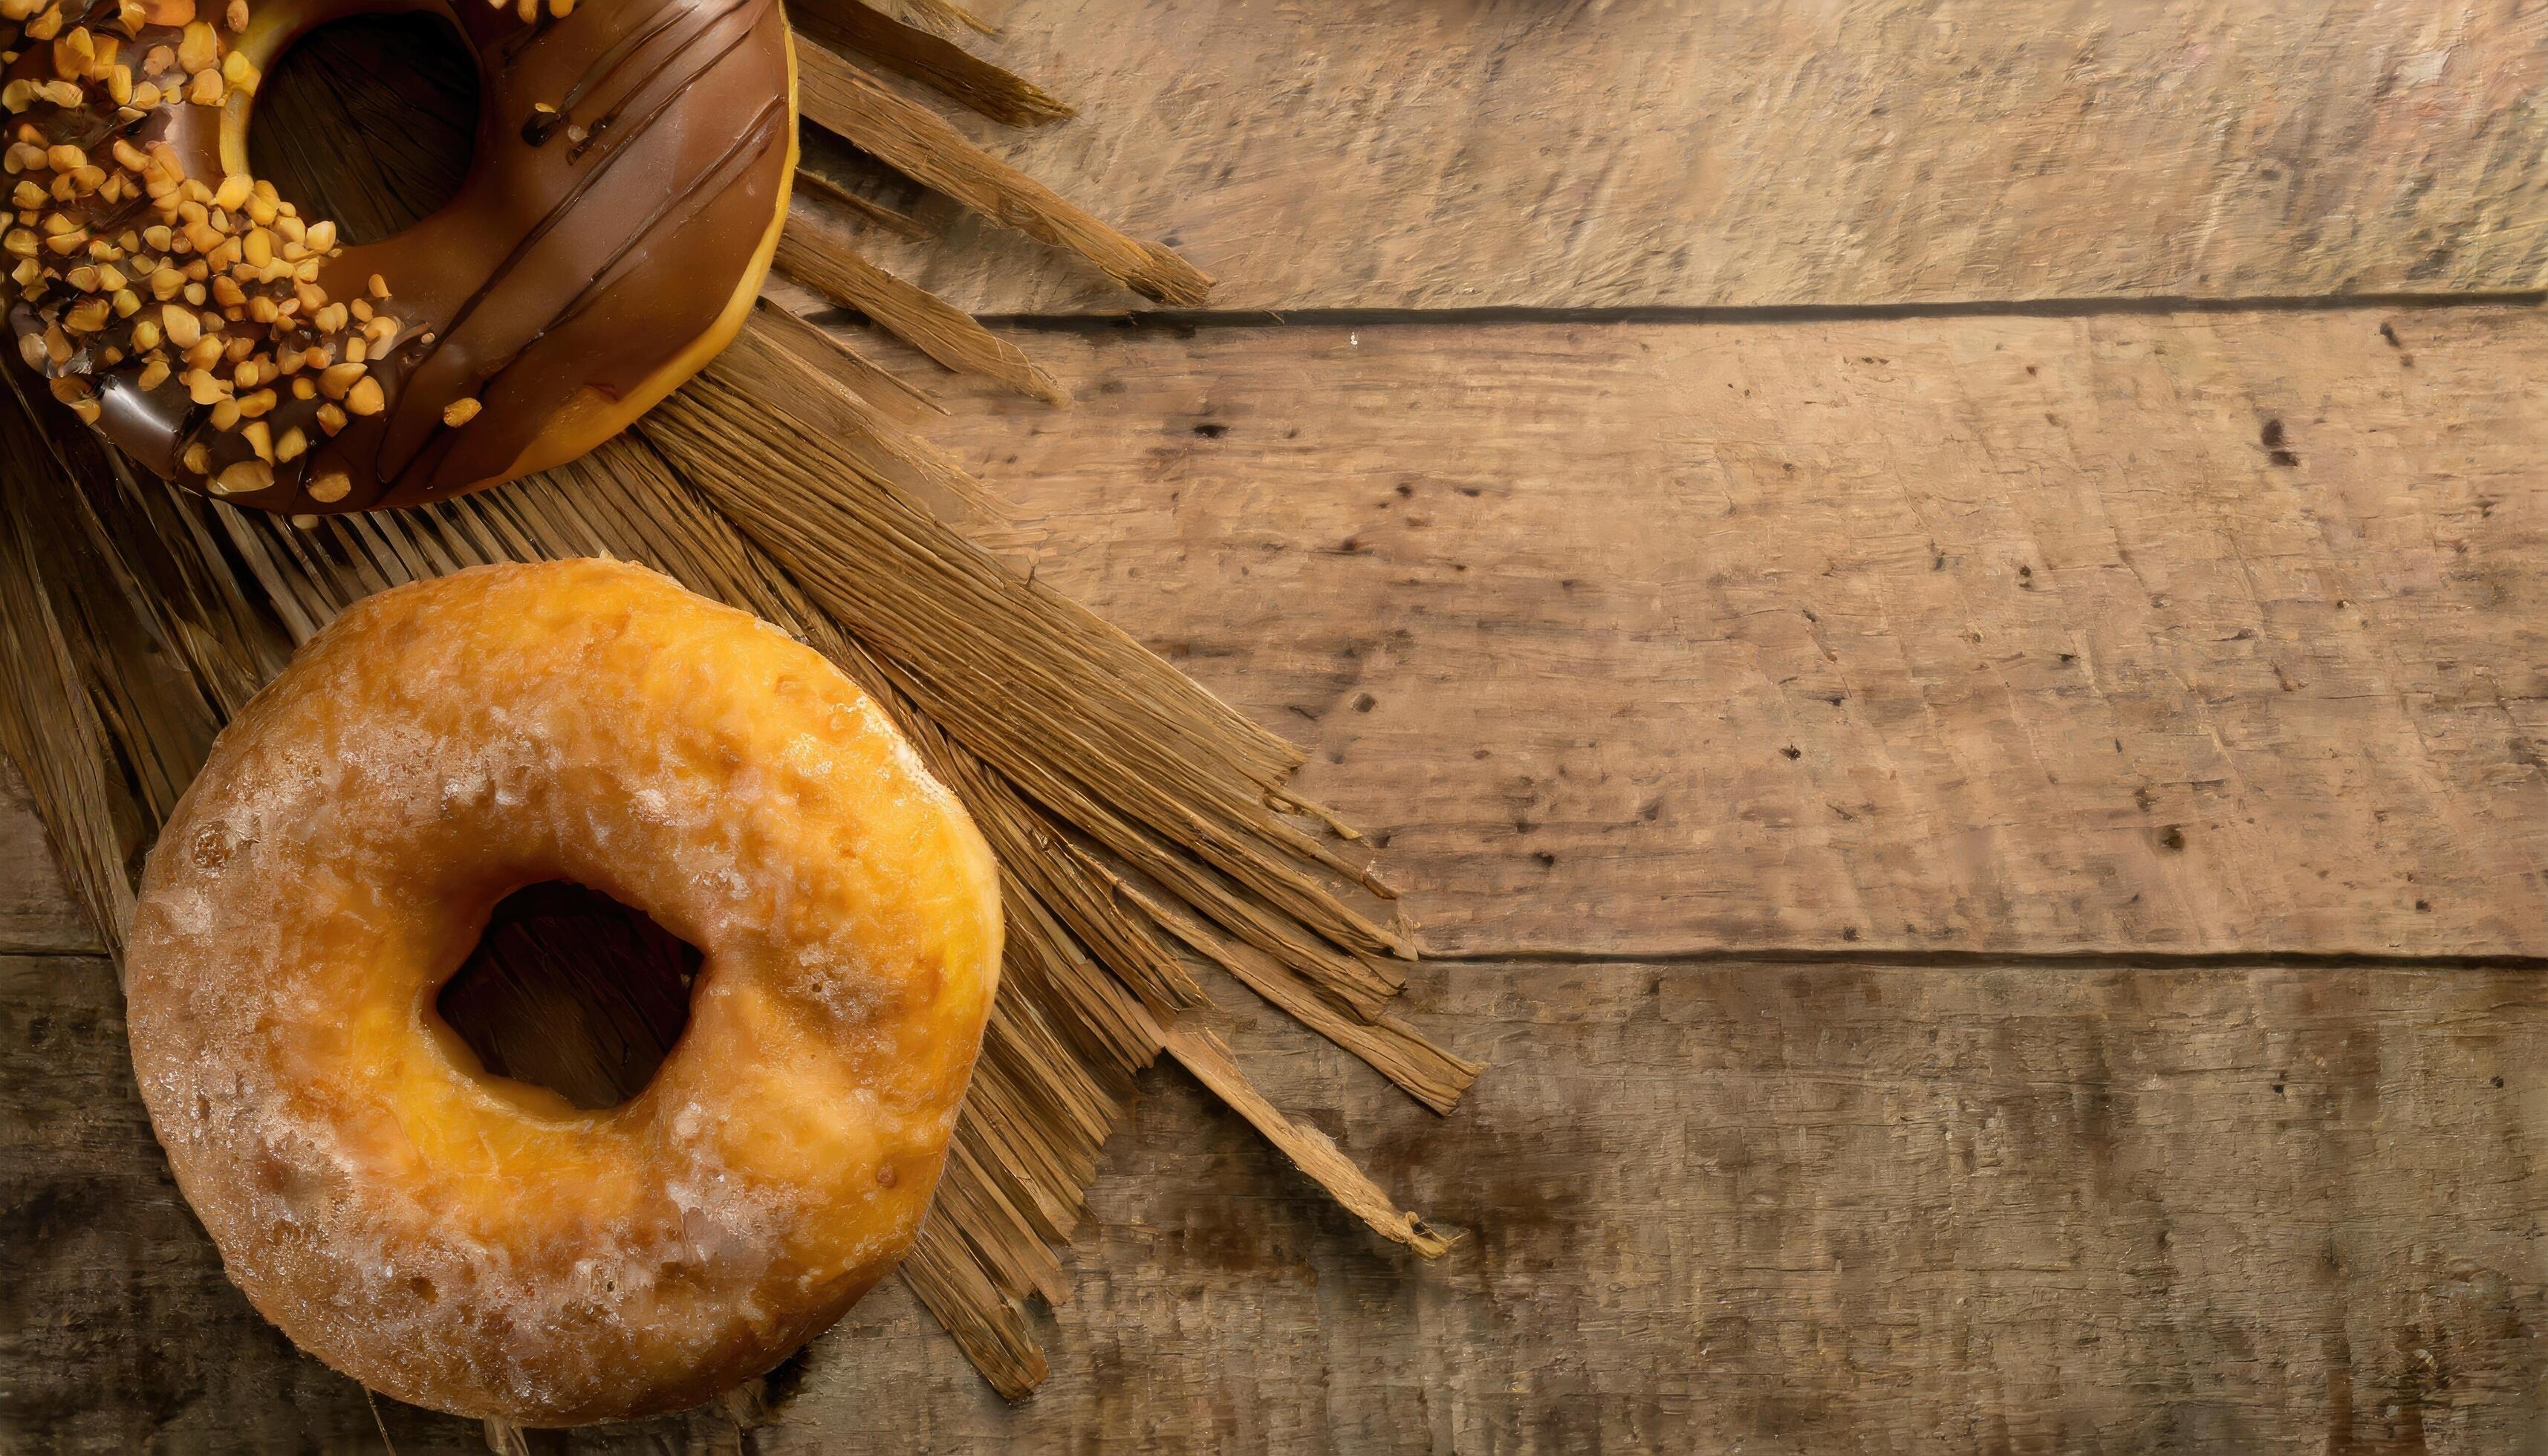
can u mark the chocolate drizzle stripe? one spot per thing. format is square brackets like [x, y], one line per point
[539, 129]
[382, 470]
[607, 64]
[710, 185]
[608, 118]
[711, 181]
[514, 48]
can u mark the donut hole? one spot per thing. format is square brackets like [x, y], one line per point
[369, 121]
[573, 991]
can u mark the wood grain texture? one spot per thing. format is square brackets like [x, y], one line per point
[2188, 633]
[37, 912]
[1552, 607]
[1792, 1209]
[1737, 1207]
[1460, 153]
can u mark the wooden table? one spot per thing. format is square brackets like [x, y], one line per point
[1941, 607]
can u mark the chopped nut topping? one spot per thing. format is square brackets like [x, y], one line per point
[206, 285]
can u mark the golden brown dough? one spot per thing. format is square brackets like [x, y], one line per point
[479, 1245]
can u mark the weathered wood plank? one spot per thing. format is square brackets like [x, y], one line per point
[1552, 605]
[2199, 632]
[37, 912]
[1464, 154]
[1791, 1208]
[1773, 1208]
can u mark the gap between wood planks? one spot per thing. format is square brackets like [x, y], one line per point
[2032, 960]
[1698, 957]
[2057, 308]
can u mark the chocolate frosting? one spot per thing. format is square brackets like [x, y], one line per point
[631, 159]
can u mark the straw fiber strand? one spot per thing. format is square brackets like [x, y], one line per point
[926, 56]
[840, 97]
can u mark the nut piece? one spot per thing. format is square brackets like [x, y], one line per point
[331, 488]
[458, 413]
[337, 379]
[199, 48]
[246, 478]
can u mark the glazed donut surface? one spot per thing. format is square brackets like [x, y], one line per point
[480, 1246]
[624, 197]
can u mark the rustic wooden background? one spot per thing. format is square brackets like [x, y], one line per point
[1943, 607]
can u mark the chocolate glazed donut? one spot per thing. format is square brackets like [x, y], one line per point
[629, 179]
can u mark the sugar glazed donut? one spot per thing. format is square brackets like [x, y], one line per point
[480, 1246]
[630, 174]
